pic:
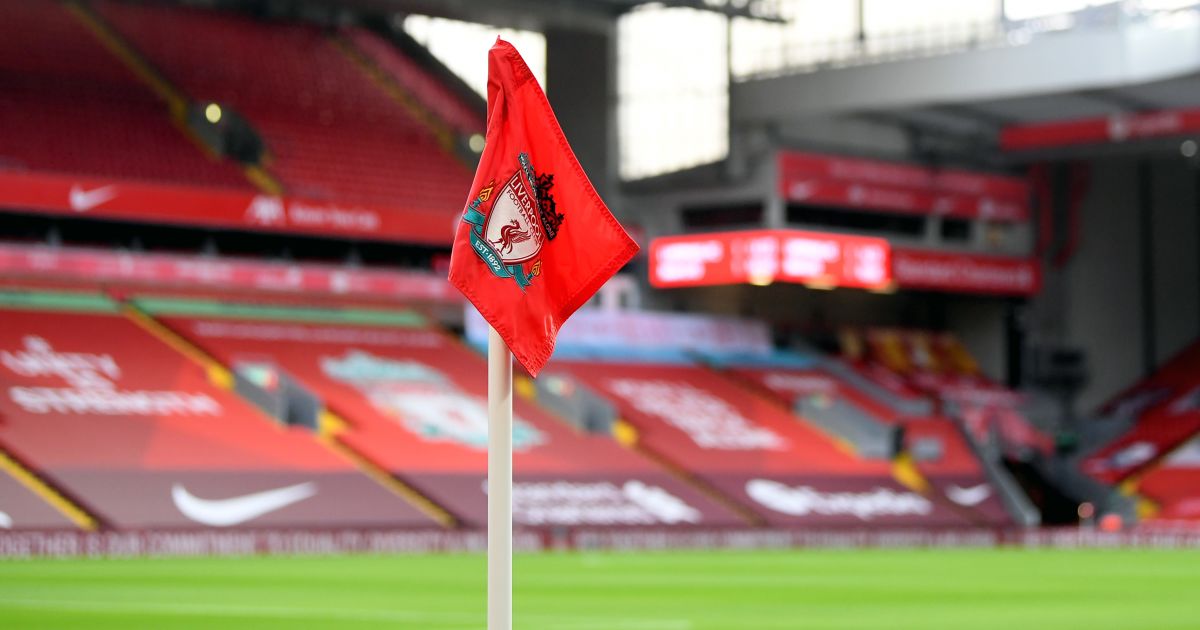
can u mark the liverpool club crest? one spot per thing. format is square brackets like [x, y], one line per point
[513, 227]
[522, 219]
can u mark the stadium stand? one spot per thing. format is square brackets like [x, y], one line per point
[938, 366]
[1164, 412]
[68, 105]
[139, 436]
[938, 449]
[750, 449]
[410, 399]
[331, 131]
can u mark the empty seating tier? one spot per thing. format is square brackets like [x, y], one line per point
[68, 105]
[332, 133]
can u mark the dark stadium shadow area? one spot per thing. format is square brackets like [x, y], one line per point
[865, 221]
[1056, 507]
[20, 229]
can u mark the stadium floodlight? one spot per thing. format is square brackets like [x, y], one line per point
[212, 113]
[476, 142]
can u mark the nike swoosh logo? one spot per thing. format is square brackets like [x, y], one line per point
[83, 200]
[5, 521]
[237, 510]
[969, 496]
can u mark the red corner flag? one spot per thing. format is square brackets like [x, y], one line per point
[535, 241]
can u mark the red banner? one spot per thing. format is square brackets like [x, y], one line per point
[966, 273]
[901, 188]
[220, 273]
[220, 208]
[764, 256]
[1101, 130]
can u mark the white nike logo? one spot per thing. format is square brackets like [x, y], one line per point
[5, 521]
[969, 496]
[237, 510]
[83, 200]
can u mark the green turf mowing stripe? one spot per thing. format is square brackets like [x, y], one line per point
[232, 310]
[872, 589]
[57, 301]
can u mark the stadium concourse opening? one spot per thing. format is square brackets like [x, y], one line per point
[920, 274]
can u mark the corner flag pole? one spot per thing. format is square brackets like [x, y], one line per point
[499, 484]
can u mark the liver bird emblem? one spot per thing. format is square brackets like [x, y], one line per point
[510, 235]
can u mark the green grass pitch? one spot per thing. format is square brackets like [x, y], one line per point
[717, 590]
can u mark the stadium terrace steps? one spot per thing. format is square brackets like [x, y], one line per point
[333, 133]
[139, 434]
[752, 451]
[411, 402]
[59, 80]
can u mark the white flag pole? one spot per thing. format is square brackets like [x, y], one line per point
[499, 484]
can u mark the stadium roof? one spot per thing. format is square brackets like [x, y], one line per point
[530, 14]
